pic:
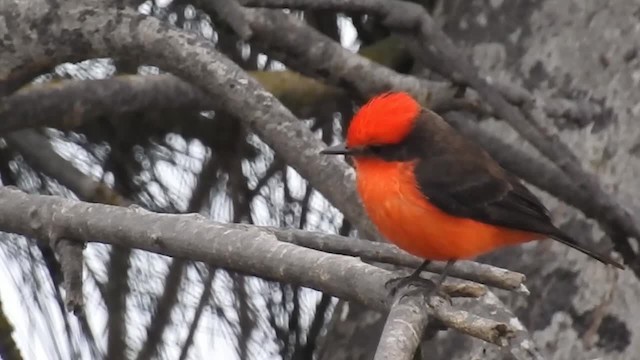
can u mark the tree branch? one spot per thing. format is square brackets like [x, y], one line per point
[38, 152]
[71, 262]
[231, 12]
[250, 251]
[521, 345]
[68, 104]
[390, 254]
[175, 275]
[288, 39]
[404, 327]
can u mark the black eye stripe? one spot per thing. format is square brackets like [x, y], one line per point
[397, 152]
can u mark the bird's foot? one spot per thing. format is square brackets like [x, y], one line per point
[420, 284]
[396, 284]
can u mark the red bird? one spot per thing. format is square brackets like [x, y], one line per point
[436, 194]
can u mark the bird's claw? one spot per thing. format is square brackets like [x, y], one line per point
[395, 284]
[420, 284]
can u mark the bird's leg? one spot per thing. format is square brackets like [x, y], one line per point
[435, 287]
[414, 279]
[444, 274]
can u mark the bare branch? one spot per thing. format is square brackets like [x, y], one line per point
[403, 329]
[231, 13]
[521, 345]
[70, 255]
[390, 254]
[174, 277]
[38, 152]
[321, 312]
[328, 59]
[406, 322]
[249, 251]
[68, 104]
[36, 149]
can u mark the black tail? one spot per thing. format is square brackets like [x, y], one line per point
[565, 239]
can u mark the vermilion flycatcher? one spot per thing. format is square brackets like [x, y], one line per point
[436, 194]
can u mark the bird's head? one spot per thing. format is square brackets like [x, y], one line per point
[384, 121]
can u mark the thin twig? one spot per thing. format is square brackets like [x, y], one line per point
[71, 261]
[37, 150]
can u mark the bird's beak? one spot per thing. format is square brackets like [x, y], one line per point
[339, 149]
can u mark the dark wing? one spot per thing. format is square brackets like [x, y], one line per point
[461, 179]
[474, 187]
